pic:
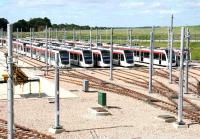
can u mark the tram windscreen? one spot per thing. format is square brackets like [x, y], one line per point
[129, 56]
[173, 55]
[87, 56]
[106, 56]
[64, 57]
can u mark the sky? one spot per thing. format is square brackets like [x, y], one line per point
[108, 13]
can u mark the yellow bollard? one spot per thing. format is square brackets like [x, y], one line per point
[39, 88]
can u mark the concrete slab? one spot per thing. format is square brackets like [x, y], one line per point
[99, 111]
[49, 87]
[56, 130]
[166, 118]
[177, 125]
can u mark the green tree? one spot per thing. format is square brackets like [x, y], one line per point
[3, 23]
[21, 24]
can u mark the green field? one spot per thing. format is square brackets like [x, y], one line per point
[120, 36]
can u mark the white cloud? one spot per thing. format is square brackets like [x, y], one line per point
[132, 4]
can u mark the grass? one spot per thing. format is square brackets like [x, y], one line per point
[120, 36]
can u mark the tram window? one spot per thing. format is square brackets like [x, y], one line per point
[75, 57]
[163, 57]
[71, 56]
[81, 58]
[122, 57]
[115, 56]
[146, 54]
[156, 56]
[98, 58]
[137, 53]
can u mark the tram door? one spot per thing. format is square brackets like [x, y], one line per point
[142, 56]
[160, 57]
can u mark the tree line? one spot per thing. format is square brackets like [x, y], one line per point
[39, 24]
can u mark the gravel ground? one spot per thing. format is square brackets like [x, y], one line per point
[129, 119]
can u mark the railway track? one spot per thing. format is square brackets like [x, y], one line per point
[100, 84]
[76, 77]
[159, 87]
[21, 132]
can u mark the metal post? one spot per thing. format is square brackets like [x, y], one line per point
[91, 38]
[33, 34]
[50, 41]
[187, 61]
[128, 30]
[65, 35]
[180, 96]
[170, 65]
[46, 52]
[106, 35]
[168, 47]
[21, 33]
[74, 35]
[31, 41]
[56, 34]
[151, 60]
[80, 35]
[111, 54]
[172, 20]
[130, 37]
[97, 33]
[10, 83]
[57, 99]
[17, 41]
[100, 39]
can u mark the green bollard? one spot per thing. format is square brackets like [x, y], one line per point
[102, 98]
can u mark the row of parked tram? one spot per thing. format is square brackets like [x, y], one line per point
[98, 57]
[75, 56]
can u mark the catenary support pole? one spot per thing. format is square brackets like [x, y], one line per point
[91, 38]
[171, 37]
[180, 95]
[111, 54]
[17, 41]
[46, 51]
[56, 34]
[31, 41]
[97, 34]
[130, 37]
[187, 61]
[57, 128]
[171, 56]
[50, 43]
[57, 98]
[151, 60]
[80, 35]
[74, 36]
[65, 37]
[21, 34]
[168, 48]
[106, 35]
[10, 83]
